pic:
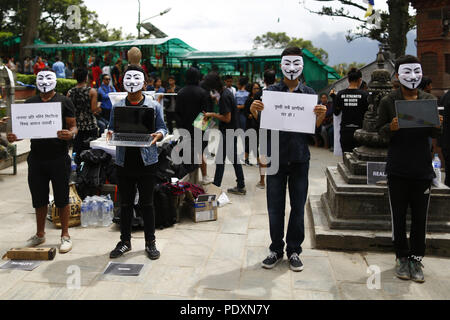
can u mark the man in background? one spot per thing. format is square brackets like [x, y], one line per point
[59, 68]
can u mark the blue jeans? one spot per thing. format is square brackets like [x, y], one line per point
[295, 175]
[220, 168]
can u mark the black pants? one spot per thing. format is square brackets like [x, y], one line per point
[220, 163]
[79, 145]
[414, 193]
[127, 189]
[348, 143]
[295, 176]
[43, 171]
[170, 119]
[446, 153]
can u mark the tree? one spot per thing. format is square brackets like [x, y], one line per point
[391, 28]
[19, 18]
[33, 14]
[278, 40]
[344, 68]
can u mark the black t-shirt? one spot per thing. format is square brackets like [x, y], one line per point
[52, 148]
[353, 104]
[191, 100]
[227, 103]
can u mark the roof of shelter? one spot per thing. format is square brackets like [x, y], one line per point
[253, 54]
[175, 46]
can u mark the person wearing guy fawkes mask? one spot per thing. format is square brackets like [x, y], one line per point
[137, 166]
[293, 171]
[49, 161]
[408, 169]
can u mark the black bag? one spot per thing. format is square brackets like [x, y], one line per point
[164, 207]
[164, 167]
[93, 173]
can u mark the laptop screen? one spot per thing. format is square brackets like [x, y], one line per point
[417, 113]
[134, 120]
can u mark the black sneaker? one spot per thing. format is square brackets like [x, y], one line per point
[402, 269]
[247, 163]
[271, 260]
[415, 269]
[238, 191]
[151, 250]
[295, 263]
[120, 249]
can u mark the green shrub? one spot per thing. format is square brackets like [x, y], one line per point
[62, 85]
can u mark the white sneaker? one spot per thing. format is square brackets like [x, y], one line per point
[66, 245]
[35, 241]
[207, 180]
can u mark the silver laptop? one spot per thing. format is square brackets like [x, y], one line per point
[133, 126]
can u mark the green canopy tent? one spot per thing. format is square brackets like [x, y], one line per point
[160, 51]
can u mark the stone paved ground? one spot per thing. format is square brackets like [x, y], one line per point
[209, 260]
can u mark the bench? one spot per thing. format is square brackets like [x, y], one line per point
[10, 161]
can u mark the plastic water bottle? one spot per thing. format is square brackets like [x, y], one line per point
[84, 215]
[73, 167]
[106, 214]
[437, 170]
[92, 214]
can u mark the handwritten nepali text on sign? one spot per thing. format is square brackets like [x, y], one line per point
[286, 111]
[36, 120]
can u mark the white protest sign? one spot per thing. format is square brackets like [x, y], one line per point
[287, 111]
[36, 120]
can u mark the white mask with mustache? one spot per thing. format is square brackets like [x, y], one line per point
[410, 75]
[46, 81]
[133, 81]
[292, 66]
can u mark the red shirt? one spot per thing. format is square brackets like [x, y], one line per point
[96, 73]
[39, 66]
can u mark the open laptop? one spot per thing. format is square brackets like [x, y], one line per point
[417, 113]
[133, 126]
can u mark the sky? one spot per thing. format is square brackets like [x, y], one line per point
[214, 25]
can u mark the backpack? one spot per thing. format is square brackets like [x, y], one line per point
[164, 207]
[93, 173]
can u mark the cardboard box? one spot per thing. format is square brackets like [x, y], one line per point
[205, 206]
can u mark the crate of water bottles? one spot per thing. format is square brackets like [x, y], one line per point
[97, 211]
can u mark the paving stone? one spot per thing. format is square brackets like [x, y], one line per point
[358, 291]
[259, 221]
[220, 274]
[254, 256]
[348, 266]
[315, 295]
[41, 291]
[55, 272]
[229, 246]
[110, 291]
[10, 278]
[172, 281]
[188, 224]
[265, 284]
[317, 275]
[257, 237]
[235, 225]
[180, 248]
[152, 296]
[211, 294]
